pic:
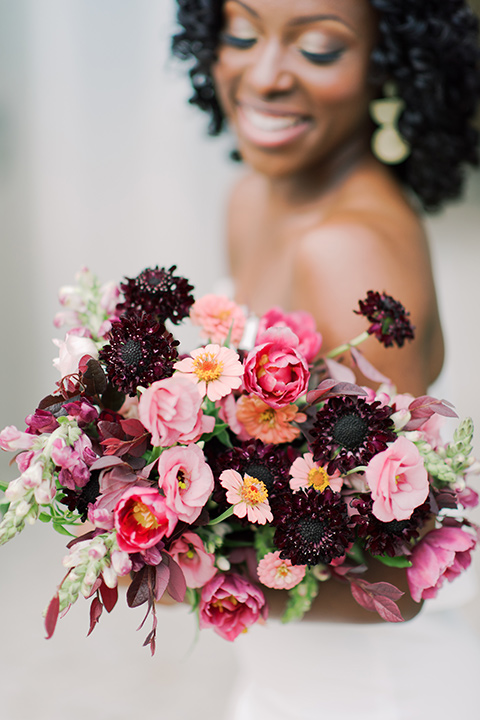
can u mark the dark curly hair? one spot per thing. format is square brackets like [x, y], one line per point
[428, 47]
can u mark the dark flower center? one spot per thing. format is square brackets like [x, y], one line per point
[131, 352]
[395, 526]
[350, 431]
[311, 530]
[261, 473]
[157, 281]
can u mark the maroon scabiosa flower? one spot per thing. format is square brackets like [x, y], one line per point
[312, 527]
[390, 323]
[390, 538]
[349, 431]
[157, 292]
[139, 352]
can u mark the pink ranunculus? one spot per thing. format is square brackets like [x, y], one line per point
[218, 316]
[142, 518]
[186, 479]
[300, 322]
[71, 351]
[398, 481]
[230, 605]
[197, 565]
[441, 555]
[276, 370]
[171, 410]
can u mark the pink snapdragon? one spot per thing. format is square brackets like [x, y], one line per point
[186, 479]
[142, 518]
[218, 316]
[441, 555]
[215, 370]
[398, 481]
[171, 410]
[12, 439]
[300, 322]
[197, 565]
[73, 461]
[276, 370]
[230, 605]
[279, 574]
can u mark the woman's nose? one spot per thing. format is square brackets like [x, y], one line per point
[268, 73]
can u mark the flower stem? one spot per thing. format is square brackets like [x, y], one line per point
[344, 348]
[223, 516]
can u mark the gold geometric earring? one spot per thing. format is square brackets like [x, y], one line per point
[387, 143]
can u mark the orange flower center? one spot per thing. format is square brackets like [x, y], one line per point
[282, 570]
[207, 367]
[144, 516]
[318, 478]
[224, 315]
[254, 492]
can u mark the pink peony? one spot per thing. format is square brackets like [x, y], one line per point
[306, 473]
[301, 323]
[398, 481]
[215, 370]
[171, 410]
[279, 574]
[441, 554]
[186, 480]
[197, 565]
[230, 605]
[142, 518]
[217, 316]
[249, 496]
[276, 371]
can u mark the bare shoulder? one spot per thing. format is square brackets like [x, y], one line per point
[242, 215]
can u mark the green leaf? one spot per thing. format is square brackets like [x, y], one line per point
[399, 562]
[356, 553]
[62, 530]
[4, 485]
[44, 517]
[301, 598]
[263, 540]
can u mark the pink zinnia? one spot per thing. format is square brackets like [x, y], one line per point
[306, 473]
[249, 496]
[218, 316]
[215, 370]
[279, 574]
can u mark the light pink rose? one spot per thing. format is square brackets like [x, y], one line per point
[197, 565]
[300, 322]
[441, 555]
[171, 410]
[276, 370]
[142, 518]
[230, 604]
[71, 351]
[186, 480]
[398, 481]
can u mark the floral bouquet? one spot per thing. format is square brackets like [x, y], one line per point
[253, 462]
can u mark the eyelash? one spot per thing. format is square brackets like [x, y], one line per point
[236, 42]
[322, 58]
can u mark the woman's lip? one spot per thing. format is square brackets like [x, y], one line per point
[270, 129]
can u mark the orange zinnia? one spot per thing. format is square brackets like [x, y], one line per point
[270, 425]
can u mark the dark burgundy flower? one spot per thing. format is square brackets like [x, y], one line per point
[312, 527]
[139, 352]
[390, 323]
[157, 292]
[349, 431]
[390, 538]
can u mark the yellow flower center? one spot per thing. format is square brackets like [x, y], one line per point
[144, 516]
[261, 370]
[268, 417]
[219, 603]
[207, 367]
[224, 315]
[183, 480]
[282, 571]
[318, 478]
[254, 492]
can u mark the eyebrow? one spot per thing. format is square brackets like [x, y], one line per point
[302, 20]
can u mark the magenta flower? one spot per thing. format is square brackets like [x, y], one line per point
[142, 518]
[218, 317]
[171, 410]
[441, 555]
[249, 495]
[215, 370]
[300, 322]
[197, 565]
[276, 370]
[186, 480]
[230, 605]
[274, 572]
[398, 481]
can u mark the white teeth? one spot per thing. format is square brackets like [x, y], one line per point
[270, 123]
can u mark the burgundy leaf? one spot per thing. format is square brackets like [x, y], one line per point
[362, 597]
[388, 609]
[92, 376]
[132, 427]
[339, 372]
[139, 590]
[150, 640]
[51, 615]
[366, 367]
[379, 597]
[177, 585]
[162, 578]
[331, 388]
[96, 609]
[109, 596]
[424, 407]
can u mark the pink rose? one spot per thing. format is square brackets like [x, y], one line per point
[301, 323]
[197, 565]
[276, 370]
[230, 604]
[171, 410]
[186, 480]
[441, 554]
[142, 518]
[398, 481]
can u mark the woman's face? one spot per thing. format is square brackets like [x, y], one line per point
[292, 79]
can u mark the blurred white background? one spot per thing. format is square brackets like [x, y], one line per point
[104, 164]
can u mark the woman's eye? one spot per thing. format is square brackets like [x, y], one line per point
[324, 58]
[242, 43]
